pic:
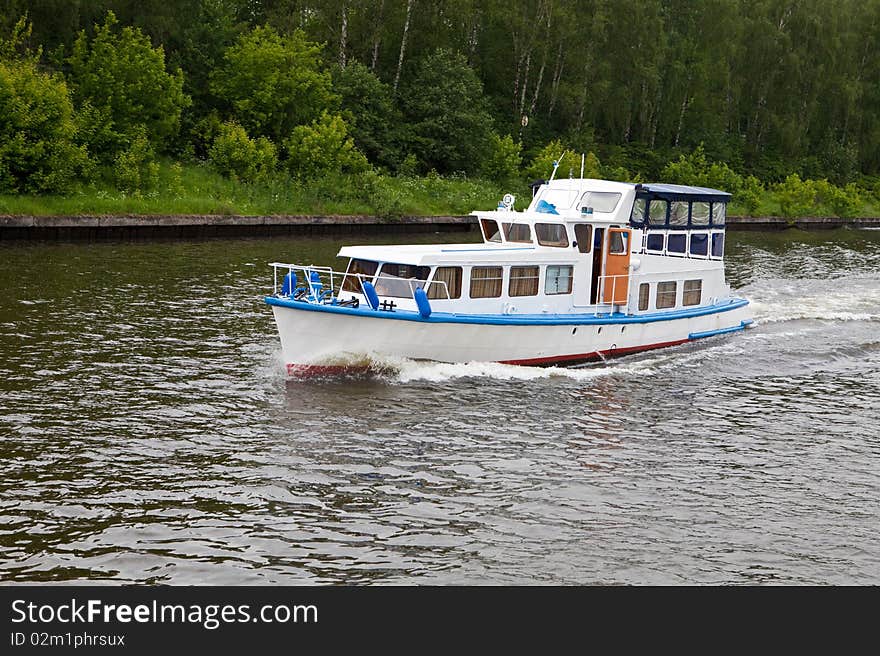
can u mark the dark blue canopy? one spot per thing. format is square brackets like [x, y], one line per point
[661, 191]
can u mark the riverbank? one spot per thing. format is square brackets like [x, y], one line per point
[194, 226]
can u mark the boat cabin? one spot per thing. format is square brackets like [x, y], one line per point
[581, 246]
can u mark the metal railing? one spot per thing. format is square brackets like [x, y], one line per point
[392, 286]
[330, 283]
[620, 299]
[327, 277]
[619, 292]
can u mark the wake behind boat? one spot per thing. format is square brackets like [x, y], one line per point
[590, 269]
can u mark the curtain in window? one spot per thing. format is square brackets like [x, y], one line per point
[644, 293]
[523, 281]
[666, 295]
[486, 282]
[693, 290]
[449, 275]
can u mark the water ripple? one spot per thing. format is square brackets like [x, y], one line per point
[149, 434]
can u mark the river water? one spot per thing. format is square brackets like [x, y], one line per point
[148, 433]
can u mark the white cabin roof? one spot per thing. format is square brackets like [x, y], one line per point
[445, 254]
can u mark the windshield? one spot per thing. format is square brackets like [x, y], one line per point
[561, 199]
[600, 201]
[400, 280]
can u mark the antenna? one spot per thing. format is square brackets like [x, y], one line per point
[581, 188]
[556, 165]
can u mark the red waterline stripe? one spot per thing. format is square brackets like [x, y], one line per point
[595, 355]
[306, 370]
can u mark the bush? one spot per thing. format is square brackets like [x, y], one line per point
[119, 79]
[235, 155]
[696, 170]
[796, 197]
[37, 131]
[541, 166]
[323, 147]
[135, 168]
[841, 201]
[409, 167]
[504, 159]
[687, 169]
[750, 194]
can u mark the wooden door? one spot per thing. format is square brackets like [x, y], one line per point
[615, 287]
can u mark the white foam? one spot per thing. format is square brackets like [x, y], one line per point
[403, 370]
[849, 298]
[438, 372]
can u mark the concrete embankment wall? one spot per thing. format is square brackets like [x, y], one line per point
[803, 223]
[97, 228]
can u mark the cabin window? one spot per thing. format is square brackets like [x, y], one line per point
[490, 230]
[400, 280]
[676, 243]
[666, 295]
[718, 244]
[599, 201]
[517, 232]
[583, 235]
[693, 292]
[486, 282]
[551, 234]
[655, 241]
[699, 214]
[640, 211]
[657, 212]
[451, 276]
[351, 282]
[719, 214]
[618, 242]
[523, 281]
[678, 214]
[644, 294]
[699, 243]
[561, 199]
[558, 280]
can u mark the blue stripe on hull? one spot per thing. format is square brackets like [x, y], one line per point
[721, 331]
[523, 319]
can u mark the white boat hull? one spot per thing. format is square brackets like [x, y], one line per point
[311, 338]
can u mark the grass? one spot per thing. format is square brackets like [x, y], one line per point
[197, 189]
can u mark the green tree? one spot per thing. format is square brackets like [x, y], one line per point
[504, 159]
[37, 131]
[449, 121]
[541, 166]
[322, 148]
[120, 80]
[272, 83]
[236, 155]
